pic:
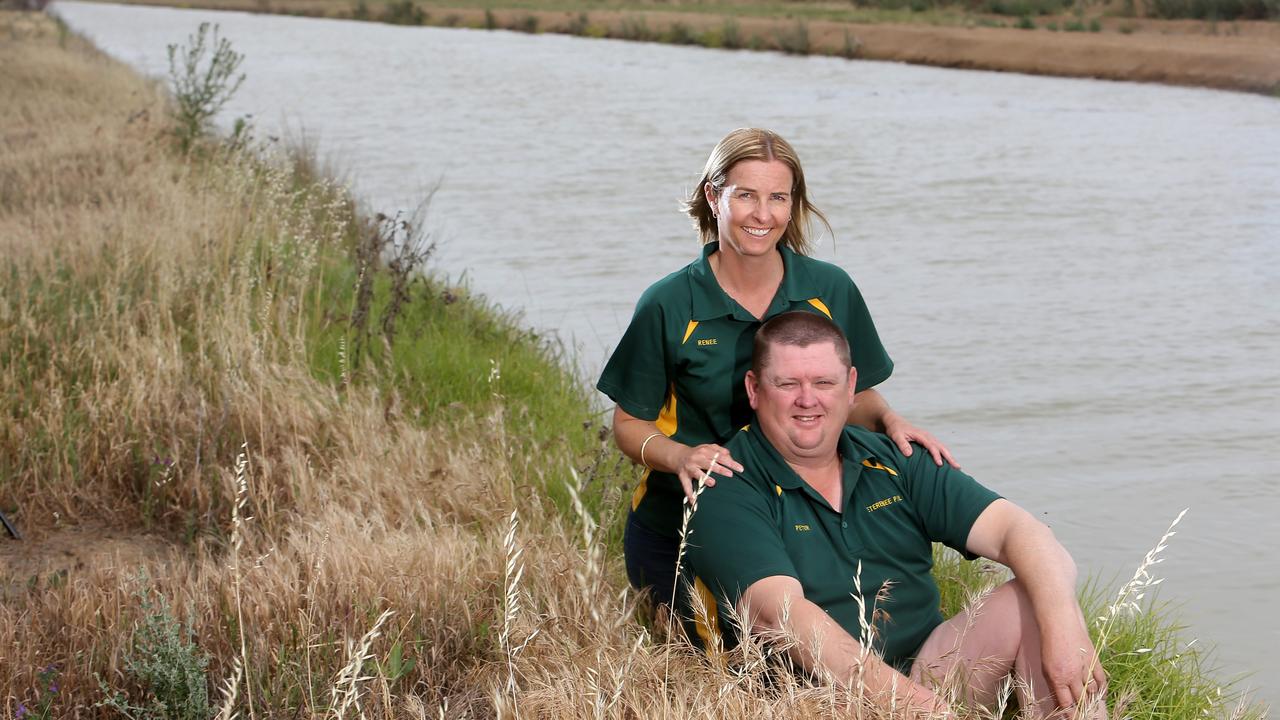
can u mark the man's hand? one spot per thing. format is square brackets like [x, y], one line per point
[1071, 663]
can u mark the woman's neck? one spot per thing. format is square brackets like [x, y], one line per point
[752, 281]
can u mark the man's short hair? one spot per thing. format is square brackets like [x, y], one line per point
[798, 329]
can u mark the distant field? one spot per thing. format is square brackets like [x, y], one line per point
[1226, 44]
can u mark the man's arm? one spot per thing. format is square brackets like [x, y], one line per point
[1009, 535]
[777, 604]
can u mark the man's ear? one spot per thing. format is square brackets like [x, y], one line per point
[853, 383]
[753, 388]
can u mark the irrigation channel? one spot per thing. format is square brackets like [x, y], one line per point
[1079, 281]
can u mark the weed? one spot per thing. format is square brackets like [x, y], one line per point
[361, 10]
[795, 39]
[42, 707]
[852, 45]
[1074, 26]
[681, 34]
[579, 25]
[1095, 25]
[635, 27]
[526, 24]
[403, 12]
[397, 666]
[64, 31]
[166, 663]
[1226, 10]
[411, 250]
[1021, 8]
[490, 20]
[1026, 23]
[201, 88]
[451, 20]
[730, 34]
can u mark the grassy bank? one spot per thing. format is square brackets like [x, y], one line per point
[1227, 44]
[237, 435]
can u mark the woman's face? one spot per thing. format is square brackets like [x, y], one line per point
[753, 209]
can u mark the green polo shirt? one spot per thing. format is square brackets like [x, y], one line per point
[682, 360]
[771, 522]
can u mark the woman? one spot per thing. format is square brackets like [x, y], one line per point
[677, 374]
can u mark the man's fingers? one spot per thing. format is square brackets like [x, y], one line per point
[1062, 694]
[904, 444]
[1099, 678]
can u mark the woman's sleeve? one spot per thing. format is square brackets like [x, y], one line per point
[869, 356]
[636, 376]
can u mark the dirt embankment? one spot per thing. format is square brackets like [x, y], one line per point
[1241, 55]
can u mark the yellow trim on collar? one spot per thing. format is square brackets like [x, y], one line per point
[693, 325]
[821, 306]
[875, 465]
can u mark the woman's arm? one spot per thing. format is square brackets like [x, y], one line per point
[663, 454]
[871, 411]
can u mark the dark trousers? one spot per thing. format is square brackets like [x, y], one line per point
[651, 560]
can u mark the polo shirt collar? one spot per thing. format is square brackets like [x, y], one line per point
[851, 456]
[710, 301]
[797, 283]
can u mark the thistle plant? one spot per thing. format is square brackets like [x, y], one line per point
[202, 76]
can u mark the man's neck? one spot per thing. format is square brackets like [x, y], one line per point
[826, 476]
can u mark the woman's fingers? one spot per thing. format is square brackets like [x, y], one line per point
[687, 484]
[904, 433]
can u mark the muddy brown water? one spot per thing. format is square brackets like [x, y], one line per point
[1079, 280]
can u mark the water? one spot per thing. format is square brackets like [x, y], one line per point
[1079, 280]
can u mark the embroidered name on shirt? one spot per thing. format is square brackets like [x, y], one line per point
[707, 341]
[884, 503]
[801, 527]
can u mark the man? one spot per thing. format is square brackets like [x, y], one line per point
[819, 502]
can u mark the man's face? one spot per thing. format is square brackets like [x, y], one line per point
[802, 399]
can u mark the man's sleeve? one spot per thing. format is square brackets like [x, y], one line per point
[947, 500]
[868, 353]
[636, 375]
[734, 539]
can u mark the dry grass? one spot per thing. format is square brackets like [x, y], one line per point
[160, 377]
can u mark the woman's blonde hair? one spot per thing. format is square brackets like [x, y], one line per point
[754, 144]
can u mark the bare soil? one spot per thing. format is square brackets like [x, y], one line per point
[67, 550]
